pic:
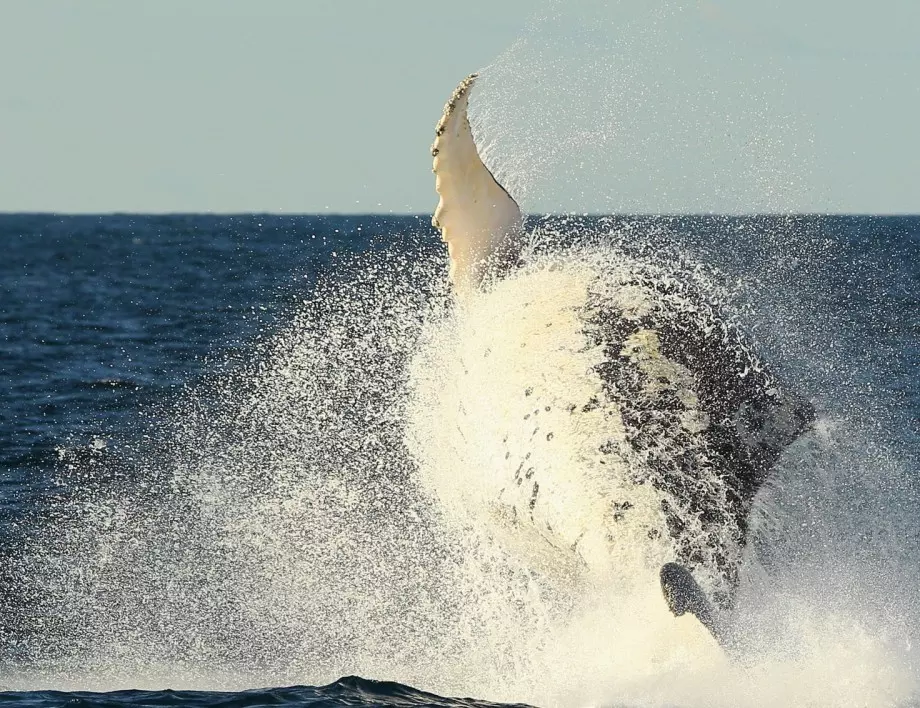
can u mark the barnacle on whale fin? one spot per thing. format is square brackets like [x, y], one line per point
[476, 216]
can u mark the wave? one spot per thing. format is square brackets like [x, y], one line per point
[347, 691]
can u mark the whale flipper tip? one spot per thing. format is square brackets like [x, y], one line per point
[477, 217]
[683, 594]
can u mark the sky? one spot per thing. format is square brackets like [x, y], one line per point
[329, 106]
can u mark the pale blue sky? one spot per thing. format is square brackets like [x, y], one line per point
[329, 105]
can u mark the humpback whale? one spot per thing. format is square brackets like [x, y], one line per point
[626, 377]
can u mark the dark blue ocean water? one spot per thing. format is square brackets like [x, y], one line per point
[106, 322]
[347, 691]
[102, 315]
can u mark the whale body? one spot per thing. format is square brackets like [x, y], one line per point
[607, 409]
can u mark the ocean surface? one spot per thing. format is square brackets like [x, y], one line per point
[200, 427]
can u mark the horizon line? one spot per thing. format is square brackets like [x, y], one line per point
[427, 215]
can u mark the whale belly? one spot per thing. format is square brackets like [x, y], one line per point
[593, 417]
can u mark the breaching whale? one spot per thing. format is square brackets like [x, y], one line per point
[632, 382]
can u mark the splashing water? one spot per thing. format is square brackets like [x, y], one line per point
[307, 516]
[640, 106]
[320, 509]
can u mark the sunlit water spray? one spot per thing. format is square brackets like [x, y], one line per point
[325, 507]
[641, 106]
[309, 515]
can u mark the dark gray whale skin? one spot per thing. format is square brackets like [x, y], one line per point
[683, 595]
[709, 477]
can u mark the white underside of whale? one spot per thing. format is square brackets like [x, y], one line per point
[547, 410]
[503, 433]
[475, 214]
[504, 439]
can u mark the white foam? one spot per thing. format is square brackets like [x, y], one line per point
[295, 540]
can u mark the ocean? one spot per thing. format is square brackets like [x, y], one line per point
[207, 497]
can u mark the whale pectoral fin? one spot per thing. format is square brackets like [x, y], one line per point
[683, 594]
[476, 216]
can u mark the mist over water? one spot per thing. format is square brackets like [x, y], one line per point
[642, 102]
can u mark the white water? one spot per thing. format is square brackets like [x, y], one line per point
[293, 539]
